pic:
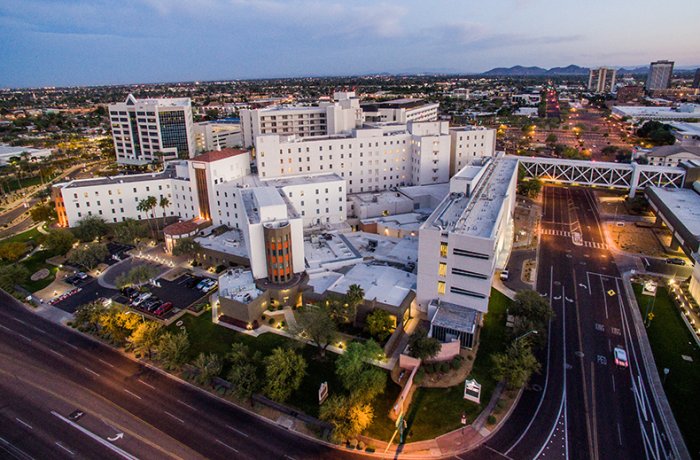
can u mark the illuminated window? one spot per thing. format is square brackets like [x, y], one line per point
[443, 249]
[441, 287]
[442, 269]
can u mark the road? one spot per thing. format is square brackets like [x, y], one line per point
[47, 372]
[582, 406]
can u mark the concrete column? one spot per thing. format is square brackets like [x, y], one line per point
[675, 244]
[634, 180]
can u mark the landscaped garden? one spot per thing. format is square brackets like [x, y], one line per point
[671, 341]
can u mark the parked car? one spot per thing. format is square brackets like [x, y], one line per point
[675, 261]
[82, 275]
[620, 357]
[141, 298]
[152, 304]
[163, 309]
[211, 284]
[504, 274]
[130, 292]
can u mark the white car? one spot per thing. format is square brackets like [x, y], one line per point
[620, 356]
[504, 275]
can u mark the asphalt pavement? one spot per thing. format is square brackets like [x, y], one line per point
[47, 372]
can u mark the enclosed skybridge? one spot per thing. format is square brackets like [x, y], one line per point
[624, 176]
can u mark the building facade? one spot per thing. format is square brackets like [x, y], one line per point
[401, 111]
[601, 80]
[372, 158]
[152, 130]
[660, 73]
[462, 243]
[468, 143]
[327, 118]
[217, 135]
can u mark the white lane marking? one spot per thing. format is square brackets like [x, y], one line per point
[187, 405]
[39, 329]
[65, 448]
[20, 321]
[619, 433]
[72, 346]
[91, 371]
[6, 328]
[24, 337]
[226, 445]
[105, 362]
[24, 423]
[613, 382]
[133, 394]
[108, 445]
[57, 353]
[147, 384]
[176, 418]
[237, 431]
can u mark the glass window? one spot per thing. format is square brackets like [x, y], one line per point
[441, 287]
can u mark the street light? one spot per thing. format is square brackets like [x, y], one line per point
[534, 331]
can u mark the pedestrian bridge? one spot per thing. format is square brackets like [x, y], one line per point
[624, 176]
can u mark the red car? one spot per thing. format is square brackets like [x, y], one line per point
[166, 307]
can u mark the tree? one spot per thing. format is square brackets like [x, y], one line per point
[129, 231]
[117, 324]
[533, 313]
[244, 379]
[318, 325]
[284, 371]
[87, 316]
[657, 133]
[12, 251]
[356, 372]
[90, 228]
[421, 346]
[11, 275]
[88, 255]
[551, 138]
[145, 337]
[147, 205]
[186, 246]
[172, 349]
[348, 418]
[164, 203]
[530, 187]
[208, 365]
[380, 324]
[44, 212]
[59, 241]
[515, 365]
[136, 276]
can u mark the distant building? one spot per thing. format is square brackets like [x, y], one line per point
[148, 130]
[401, 111]
[601, 80]
[8, 152]
[696, 80]
[680, 112]
[210, 135]
[629, 93]
[687, 133]
[461, 244]
[672, 155]
[327, 118]
[526, 99]
[660, 73]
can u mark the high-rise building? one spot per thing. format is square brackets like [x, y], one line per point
[696, 80]
[601, 80]
[660, 73]
[147, 130]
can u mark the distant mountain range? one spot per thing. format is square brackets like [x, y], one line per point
[521, 71]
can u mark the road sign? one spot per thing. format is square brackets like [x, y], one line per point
[611, 293]
[322, 392]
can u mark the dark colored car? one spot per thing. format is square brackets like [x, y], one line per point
[675, 261]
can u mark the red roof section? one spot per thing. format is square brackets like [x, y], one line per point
[216, 155]
[181, 228]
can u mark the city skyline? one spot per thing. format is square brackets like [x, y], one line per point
[75, 42]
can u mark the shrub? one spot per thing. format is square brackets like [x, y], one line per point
[271, 321]
[456, 363]
[361, 445]
[491, 419]
[352, 443]
[419, 377]
[429, 368]
[444, 367]
[470, 357]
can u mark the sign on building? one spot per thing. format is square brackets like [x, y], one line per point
[472, 391]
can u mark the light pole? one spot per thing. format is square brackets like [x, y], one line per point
[534, 331]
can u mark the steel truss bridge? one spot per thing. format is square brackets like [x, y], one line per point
[624, 176]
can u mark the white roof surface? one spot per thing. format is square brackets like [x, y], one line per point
[387, 285]
[238, 285]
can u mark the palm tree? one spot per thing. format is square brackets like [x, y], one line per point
[354, 297]
[147, 205]
[164, 203]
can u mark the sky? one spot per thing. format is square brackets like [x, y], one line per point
[93, 42]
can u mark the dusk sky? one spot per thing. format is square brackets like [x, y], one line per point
[79, 42]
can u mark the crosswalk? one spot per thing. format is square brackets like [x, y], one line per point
[554, 232]
[593, 244]
[568, 234]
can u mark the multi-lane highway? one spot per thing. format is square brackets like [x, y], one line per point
[47, 372]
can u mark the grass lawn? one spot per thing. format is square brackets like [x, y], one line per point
[670, 339]
[205, 336]
[436, 411]
[30, 235]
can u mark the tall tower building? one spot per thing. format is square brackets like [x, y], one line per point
[147, 130]
[601, 80]
[696, 80]
[659, 77]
